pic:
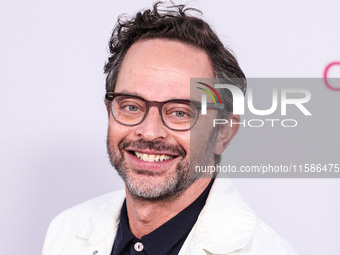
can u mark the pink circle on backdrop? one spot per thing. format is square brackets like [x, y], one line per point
[325, 76]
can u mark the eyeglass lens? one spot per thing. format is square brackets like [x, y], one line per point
[131, 110]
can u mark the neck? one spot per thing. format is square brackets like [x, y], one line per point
[146, 216]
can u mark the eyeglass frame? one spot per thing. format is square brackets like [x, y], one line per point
[110, 96]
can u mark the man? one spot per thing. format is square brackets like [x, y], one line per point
[167, 207]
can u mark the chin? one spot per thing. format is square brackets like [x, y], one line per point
[154, 187]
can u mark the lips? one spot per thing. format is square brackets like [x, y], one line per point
[147, 161]
[152, 157]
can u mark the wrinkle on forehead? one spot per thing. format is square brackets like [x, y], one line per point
[160, 69]
[172, 75]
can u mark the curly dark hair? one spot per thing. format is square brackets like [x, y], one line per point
[174, 22]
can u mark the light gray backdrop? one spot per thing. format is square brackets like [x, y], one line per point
[53, 120]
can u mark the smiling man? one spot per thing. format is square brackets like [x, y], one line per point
[166, 207]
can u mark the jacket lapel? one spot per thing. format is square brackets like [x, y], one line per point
[226, 224]
[100, 230]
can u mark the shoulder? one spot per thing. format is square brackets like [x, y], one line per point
[229, 224]
[81, 221]
[88, 209]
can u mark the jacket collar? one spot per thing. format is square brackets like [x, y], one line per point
[225, 224]
[104, 221]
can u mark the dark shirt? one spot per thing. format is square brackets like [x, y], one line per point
[165, 240]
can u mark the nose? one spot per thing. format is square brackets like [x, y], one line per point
[152, 128]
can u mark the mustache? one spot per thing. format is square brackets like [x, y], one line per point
[153, 145]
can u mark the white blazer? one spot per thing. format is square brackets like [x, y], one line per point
[226, 225]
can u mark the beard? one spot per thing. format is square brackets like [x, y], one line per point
[167, 185]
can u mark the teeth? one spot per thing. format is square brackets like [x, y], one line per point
[152, 157]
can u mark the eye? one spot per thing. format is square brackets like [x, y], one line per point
[179, 114]
[131, 108]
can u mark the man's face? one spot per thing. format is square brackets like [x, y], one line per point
[159, 70]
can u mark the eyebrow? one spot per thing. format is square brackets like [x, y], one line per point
[137, 94]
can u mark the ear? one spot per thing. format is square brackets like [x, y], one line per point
[227, 133]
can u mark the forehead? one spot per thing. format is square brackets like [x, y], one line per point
[160, 69]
